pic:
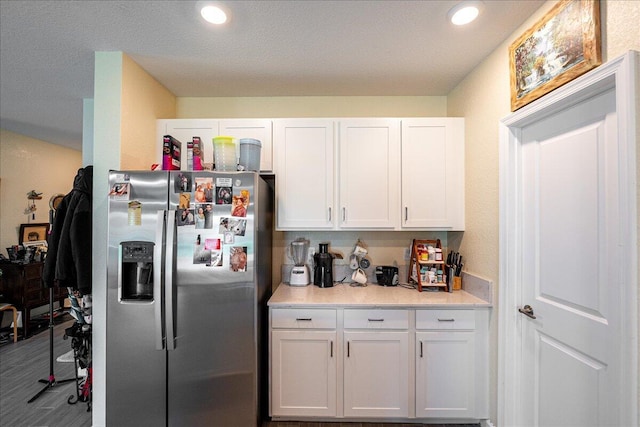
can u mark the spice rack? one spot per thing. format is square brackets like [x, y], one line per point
[419, 258]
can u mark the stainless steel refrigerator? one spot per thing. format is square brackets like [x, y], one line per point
[189, 274]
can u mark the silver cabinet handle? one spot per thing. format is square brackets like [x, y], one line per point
[344, 214]
[421, 353]
[446, 320]
[303, 319]
[406, 213]
[527, 311]
[331, 348]
[329, 214]
[348, 349]
[375, 320]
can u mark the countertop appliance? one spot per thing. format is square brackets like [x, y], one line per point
[323, 267]
[387, 275]
[186, 299]
[299, 249]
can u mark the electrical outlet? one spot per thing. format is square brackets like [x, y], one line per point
[407, 254]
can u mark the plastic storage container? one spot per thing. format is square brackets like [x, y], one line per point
[250, 154]
[224, 154]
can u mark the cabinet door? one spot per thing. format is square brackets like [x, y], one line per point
[445, 374]
[252, 128]
[369, 173]
[376, 374]
[433, 173]
[304, 174]
[184, 130]
[303, 373]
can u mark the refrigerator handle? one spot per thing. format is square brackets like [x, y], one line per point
[158, 268]
[169, 278]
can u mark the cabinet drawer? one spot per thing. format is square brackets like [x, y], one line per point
[303, 318]
[376, 319]
[33, 271]
[445, 319]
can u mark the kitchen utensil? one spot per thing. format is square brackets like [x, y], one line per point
[300, 272]
[323, 267]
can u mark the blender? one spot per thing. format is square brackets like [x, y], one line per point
[300, 272]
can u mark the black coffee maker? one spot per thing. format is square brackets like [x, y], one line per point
[323, 267]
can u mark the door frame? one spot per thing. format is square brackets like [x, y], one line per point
[618, 75]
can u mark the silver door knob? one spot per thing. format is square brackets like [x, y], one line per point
[527, 311]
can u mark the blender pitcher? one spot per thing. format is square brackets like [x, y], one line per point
[300, 272]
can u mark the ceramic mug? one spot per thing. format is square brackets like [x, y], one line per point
[353, 261]
[359, 251]
[359, 276]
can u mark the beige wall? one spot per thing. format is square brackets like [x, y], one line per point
[29, 164]
[483, 98]
[144, 100]
[313, 106]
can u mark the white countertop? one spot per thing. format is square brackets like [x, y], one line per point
[373, 295]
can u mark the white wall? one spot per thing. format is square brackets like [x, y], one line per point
[30, 164]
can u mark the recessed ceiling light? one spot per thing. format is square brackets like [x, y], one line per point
[464, 12]
[213, 14]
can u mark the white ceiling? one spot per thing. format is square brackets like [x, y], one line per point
[269, 48]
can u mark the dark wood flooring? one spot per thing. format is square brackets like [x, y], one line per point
[23, 363]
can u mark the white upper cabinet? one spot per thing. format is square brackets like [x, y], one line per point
[433, 173]
[351, 173]
[184, 130]
[369, 173]
[207, 129]
[304, 168]
[259, 129]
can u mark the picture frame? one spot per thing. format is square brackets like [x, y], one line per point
[36, 232]
[564, 44]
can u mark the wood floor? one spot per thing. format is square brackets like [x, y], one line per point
[23, 363]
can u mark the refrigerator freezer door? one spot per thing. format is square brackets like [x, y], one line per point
[212, 375]
[135, 370]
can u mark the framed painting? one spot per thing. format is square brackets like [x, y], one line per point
[33, 233]
[561, 46]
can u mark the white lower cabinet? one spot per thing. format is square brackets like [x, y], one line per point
[385, 366]
[445, 358]
[303, 373]
[376, 363]
[376, 371]
[303, 363]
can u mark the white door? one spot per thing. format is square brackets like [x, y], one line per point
[369, 173]
[567, 264]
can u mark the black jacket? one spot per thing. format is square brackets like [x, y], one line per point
[68, 261]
